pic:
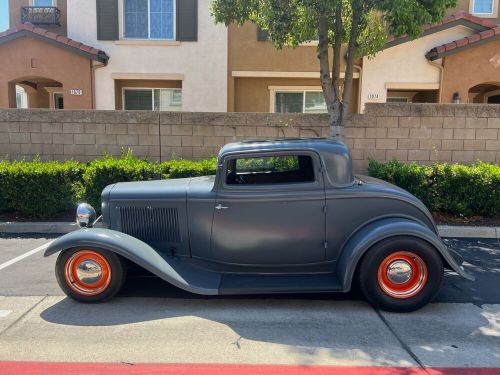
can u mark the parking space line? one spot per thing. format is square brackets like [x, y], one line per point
[23, 256]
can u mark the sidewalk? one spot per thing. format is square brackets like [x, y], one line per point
[66, 227]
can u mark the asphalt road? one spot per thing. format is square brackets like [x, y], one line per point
[151, 321]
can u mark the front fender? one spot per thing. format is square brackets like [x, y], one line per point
[168, 268]
[379, 230]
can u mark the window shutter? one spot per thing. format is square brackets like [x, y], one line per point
[187, 20]
[107, 20]
[262, 35]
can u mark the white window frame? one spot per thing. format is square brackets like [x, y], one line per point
[24, 97]
[152, 93]
[493, 14]
[290, 89]
[122, 23]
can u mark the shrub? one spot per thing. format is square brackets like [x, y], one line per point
[38, 188]
[102, 172]
[187, 168]
[465, 190]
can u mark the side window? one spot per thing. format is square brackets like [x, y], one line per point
[267, 170]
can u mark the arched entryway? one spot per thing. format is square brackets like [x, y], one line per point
[485, 93]
[36, 92]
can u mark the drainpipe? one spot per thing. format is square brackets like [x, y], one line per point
[360, 84]
[441, 74]
[94, 67]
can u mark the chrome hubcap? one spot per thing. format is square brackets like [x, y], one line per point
[399, 272]
[89, 272]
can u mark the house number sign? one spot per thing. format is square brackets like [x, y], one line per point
[76, 92]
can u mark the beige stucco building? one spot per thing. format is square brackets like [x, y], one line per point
[112, 54]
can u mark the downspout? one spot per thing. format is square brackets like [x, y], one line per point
[441, 75]
[94, 67]
[360, 85]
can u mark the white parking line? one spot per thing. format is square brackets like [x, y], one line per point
[25, 255]
[5, 313]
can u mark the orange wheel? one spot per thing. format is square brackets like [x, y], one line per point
[402, 275]
[87, 273]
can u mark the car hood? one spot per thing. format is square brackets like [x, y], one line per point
[161, 189]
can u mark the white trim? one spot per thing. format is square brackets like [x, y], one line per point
[152, 94]
[121, 24]
[274, 74]
[493, 14]
[147, 42]
[149, 76]
[52, 91]
[411, 86]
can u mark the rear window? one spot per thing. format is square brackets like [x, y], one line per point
[267, 170]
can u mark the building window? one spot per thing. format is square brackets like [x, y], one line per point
[483, 6]
[149, 19]
[396, 99]
[58, 100]
[21, 97]
[299, 102]
[43, 3]
[152, 99]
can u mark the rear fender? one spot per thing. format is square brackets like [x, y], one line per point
[379, 230]
[169, 269]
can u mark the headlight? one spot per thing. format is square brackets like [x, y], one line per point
[85, 215]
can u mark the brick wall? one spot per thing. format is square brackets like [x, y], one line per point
[409, 132]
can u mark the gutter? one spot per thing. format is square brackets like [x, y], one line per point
[441, 77]
[93, 68]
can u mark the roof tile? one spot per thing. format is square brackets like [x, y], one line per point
[96, 53]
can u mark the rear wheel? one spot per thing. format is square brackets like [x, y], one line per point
[401, 274]
[90, 275]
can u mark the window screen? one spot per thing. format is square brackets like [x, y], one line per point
[149, 19]
[483, 6]
[138, 100]
[270, 170]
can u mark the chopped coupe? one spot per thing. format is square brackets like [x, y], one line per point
[280, 216]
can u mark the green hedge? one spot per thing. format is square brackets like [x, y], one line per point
[38, 188]
[465, 190]
[41, 189]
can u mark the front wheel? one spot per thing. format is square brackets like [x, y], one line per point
[90, 275]
[401, 274]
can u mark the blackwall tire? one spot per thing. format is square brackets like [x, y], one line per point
[90, 275]
[401, 274]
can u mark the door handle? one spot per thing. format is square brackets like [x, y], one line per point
[220, 207]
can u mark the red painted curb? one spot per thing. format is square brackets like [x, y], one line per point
[74, 368]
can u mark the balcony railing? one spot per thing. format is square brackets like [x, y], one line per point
[43, 16]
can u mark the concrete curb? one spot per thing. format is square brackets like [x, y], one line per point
[65, 227]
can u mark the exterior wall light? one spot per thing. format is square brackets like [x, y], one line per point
[456, 99]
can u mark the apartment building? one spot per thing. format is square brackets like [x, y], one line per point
[114, 54]
[169, 55]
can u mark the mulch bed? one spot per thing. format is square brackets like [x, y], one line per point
[441, 219]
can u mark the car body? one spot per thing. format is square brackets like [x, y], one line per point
[280, 216]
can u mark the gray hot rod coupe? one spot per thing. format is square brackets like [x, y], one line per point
[280, 216]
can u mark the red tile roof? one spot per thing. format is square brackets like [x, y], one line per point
[460, 17]
[458, 45]
[27, 29]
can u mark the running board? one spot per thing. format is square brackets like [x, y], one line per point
[273, 284]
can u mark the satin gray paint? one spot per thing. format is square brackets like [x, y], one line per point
[270, 235]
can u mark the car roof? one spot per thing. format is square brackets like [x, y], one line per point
[335, 154]
[250, 145]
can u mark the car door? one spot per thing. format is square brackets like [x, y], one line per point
[269, 210]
